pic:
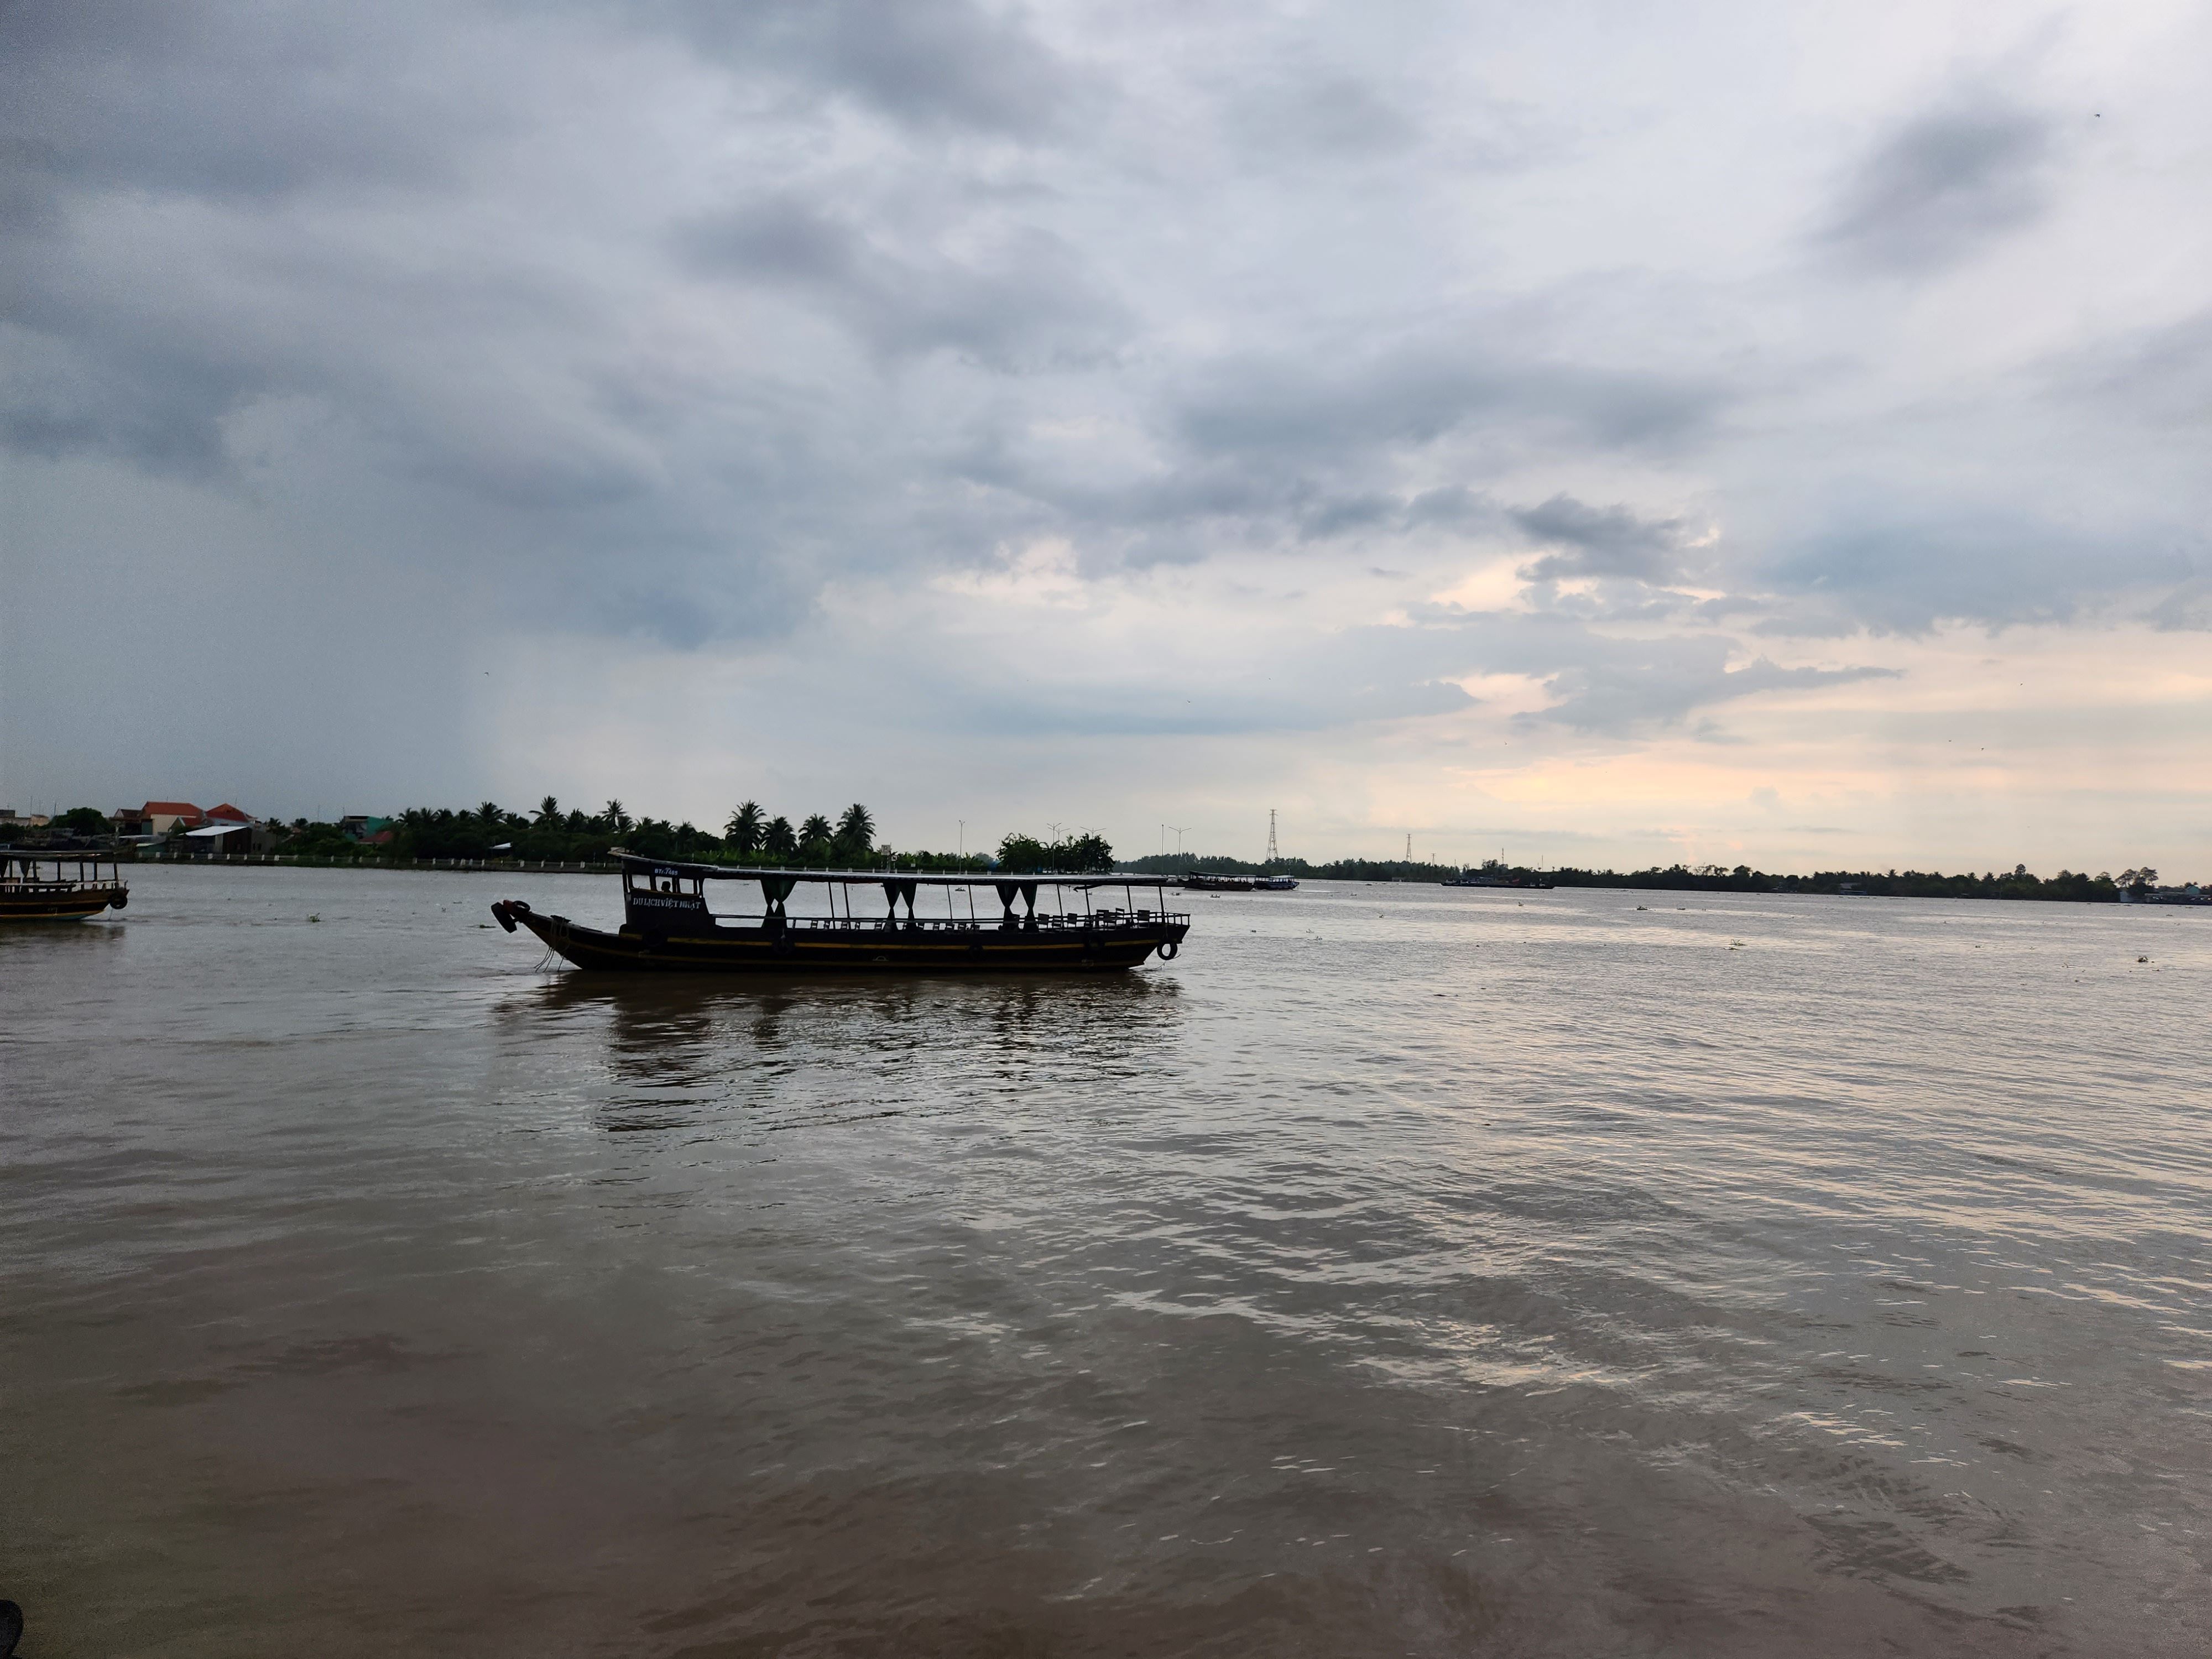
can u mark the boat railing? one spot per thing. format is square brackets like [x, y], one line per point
[1042, 921]
[20, 873]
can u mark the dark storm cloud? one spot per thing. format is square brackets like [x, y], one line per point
[142, 146]
[1590, 541]
[1254, 449]
[155, 406]
[1311, 403]
[163, 372]
[1316, 703]
[924, 63]
[236, 231]
[1026, 299]
[1660, 684]
[1905, 572]
[1349, 513]
[1453, 505]
[1602, 684]
[1325, 114]
[2160, 377]
[227, 100]
[2188, 608]
[1943, 186]
[1598, 684]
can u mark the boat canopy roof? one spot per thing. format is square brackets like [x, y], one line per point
[29, 856]
[632, 862]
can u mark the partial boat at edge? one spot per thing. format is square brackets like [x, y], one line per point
[27, 893]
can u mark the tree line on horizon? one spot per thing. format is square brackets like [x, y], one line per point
[749, 835]
[2068, 886]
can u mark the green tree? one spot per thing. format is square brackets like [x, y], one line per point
[1088, 855]
[615, 818]
[857, 829]
[549, 810]
[777, 840]
[488, 813]
[744, 828]
[814, 839]
[82, 821]
[1021, 854]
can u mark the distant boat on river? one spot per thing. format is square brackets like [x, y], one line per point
[1212, 881]
[668, 927]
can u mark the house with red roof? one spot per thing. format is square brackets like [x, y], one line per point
[226, 813]
[158, 817]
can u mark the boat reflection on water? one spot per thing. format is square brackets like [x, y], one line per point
[690, 1052]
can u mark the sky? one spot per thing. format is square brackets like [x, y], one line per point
[1600, 433]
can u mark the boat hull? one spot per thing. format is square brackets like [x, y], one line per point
[73, 904]
[927, 948]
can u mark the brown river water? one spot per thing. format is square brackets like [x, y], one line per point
[1401, 1271]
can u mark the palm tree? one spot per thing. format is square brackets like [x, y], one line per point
[744, 828]
[857, 829]
[817, 828]
[489, 811]
[617, 820]
[548, 810]
[777, 838]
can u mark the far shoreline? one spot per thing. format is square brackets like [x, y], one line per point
[1626, 884]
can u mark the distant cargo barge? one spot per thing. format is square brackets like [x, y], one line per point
[668, 927]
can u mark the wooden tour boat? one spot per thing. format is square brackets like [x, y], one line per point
[668, 928]
[36, 886]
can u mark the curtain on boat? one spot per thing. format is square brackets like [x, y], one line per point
[1026, 889]
[896, 891]
[776, 889]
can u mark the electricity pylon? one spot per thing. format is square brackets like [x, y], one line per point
[1273, 857]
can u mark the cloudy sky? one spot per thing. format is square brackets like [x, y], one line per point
[1605, 432]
